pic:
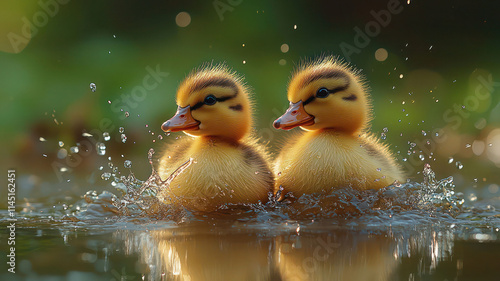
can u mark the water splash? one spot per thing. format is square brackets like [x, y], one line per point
[141, 199]
[138, 198]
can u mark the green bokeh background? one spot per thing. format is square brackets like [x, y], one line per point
[439, 48]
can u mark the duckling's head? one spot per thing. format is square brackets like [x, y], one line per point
[327, 94]
[212, 101]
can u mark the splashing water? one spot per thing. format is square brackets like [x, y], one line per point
[138, 198]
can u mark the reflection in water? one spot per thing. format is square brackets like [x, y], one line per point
[212, 253]
[174, 255]
[339, 255]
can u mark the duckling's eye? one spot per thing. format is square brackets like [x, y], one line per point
[322, 93]
[210, 100]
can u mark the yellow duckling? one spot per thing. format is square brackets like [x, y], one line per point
[329, 100]
[215, 110]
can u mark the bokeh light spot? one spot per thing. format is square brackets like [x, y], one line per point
[183, 19]
[494, 150]
[381, 54]
[285, 48]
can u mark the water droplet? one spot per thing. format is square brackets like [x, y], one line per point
[42, 139]
[74, 149]
[127, 114]
[93, 87]
[127, 164]
[459, 165]
[424, 133]
[114, 36]
[101, 148]
[61, 143]
[121, 130]
[422, 157]
[151, 152]
[160, 137]
[256, 172]
[62, 153]
[472, 197]
[383, 136]
[490, 144]
[106, 176]
[450, 160]
[123, 138]
[294, 26]
[87, 135]
[404, 159]
[101, 168]
[385, 130]
[106, 136]
[412, 144]
[63, 169]
[379, 169]
[467, 145]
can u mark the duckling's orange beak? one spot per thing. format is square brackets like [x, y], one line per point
[182, 121]
[294, 116]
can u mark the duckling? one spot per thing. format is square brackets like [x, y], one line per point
[330, 101]
[229, 165]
